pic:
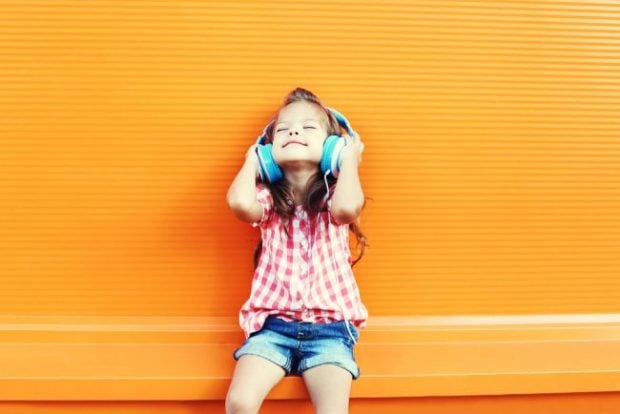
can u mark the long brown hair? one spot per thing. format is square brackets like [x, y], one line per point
[281, 190]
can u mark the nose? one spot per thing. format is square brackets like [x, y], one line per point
[294, 130]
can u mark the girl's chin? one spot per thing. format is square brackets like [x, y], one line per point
[298, 163]
[297, 158]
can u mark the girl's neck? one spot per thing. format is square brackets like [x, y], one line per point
[298, 180]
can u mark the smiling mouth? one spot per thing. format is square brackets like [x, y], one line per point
[293, 142]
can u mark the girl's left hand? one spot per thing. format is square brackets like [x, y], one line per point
[354, 148]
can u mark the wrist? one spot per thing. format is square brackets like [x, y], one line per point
[349, 158]
[251, 164]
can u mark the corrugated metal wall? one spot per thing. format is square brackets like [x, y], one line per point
[492, 149]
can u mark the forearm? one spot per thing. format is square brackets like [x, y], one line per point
[241, 196]
[348, 198]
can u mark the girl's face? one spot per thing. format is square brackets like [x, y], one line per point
[299, 134]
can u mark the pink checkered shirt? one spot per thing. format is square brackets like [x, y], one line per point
[305, 277]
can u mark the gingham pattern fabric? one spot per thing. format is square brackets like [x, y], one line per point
[305, 277]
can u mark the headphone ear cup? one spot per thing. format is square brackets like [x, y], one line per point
[332, 148]
[269, 170]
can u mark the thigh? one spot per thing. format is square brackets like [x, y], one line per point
[253, 378]
[329, 387]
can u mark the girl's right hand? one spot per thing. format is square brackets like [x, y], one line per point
[354, 147]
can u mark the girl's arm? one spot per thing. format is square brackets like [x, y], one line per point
[348, 198]
[241, 197]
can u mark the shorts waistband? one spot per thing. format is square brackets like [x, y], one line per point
[306, 330]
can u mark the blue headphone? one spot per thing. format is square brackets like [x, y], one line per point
[330, 159]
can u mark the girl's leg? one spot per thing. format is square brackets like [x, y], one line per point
[329, 387]
[253, 378]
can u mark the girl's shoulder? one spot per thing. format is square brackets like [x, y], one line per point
[265, 199]
[263, 193]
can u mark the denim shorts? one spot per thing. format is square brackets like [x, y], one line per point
[298, 346]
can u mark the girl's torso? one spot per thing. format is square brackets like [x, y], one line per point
[304, 271]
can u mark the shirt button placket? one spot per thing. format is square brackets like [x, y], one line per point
[304, 268]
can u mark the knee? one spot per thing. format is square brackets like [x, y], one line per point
[241, 403]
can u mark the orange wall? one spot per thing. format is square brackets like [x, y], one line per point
[492, 150]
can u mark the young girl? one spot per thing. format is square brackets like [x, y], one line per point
[304, 309]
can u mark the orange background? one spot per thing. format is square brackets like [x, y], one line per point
[491, 131]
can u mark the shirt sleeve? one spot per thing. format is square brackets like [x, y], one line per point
[263, 196]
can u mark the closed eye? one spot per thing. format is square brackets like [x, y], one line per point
[309, 127]
[281, 129]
